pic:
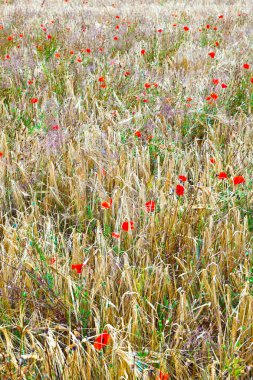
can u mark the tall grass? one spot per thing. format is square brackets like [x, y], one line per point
[78, 129]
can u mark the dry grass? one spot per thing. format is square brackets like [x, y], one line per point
[175, 293]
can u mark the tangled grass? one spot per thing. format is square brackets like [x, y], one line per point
[103, 106]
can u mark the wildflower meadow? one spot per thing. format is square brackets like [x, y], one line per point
[126, 200]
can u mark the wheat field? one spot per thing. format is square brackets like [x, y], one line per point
[126, 172]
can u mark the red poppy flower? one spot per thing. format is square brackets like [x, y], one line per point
[115, 235]
[143, 51]
[127, 73]
[117, 27]
[155, 85]
[189, 99]
[174, 24]
[30, 82]
[49, 37]
[55, 127]
[214, 95]
[215, 28]
[77, 267]
[223, 85]
[159, 30]
[34, 100]
[222, 175]
[246, 66]
[102, 340]
[101, 79]
[1, 154]
[117, 17]
[212, 54]
[57, 55]
[126, 226]
[163, 376]
[88, 50]
[103, 85]
[215, 81]
[251, 79]
[150, 206]
[106, 204]
[212, 160]
[137, 134]
[208, 26]
[221, 16]
[71, 52]
[186, 28]
[147, 85]
[208, 97]
[7, 56]
[239, 179]
[145, 100]
[79, 59]
[182, 178]
[217, 43]
[115, 38]
[52, 260]
[179, 190]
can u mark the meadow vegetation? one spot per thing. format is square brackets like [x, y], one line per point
[126, 207]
